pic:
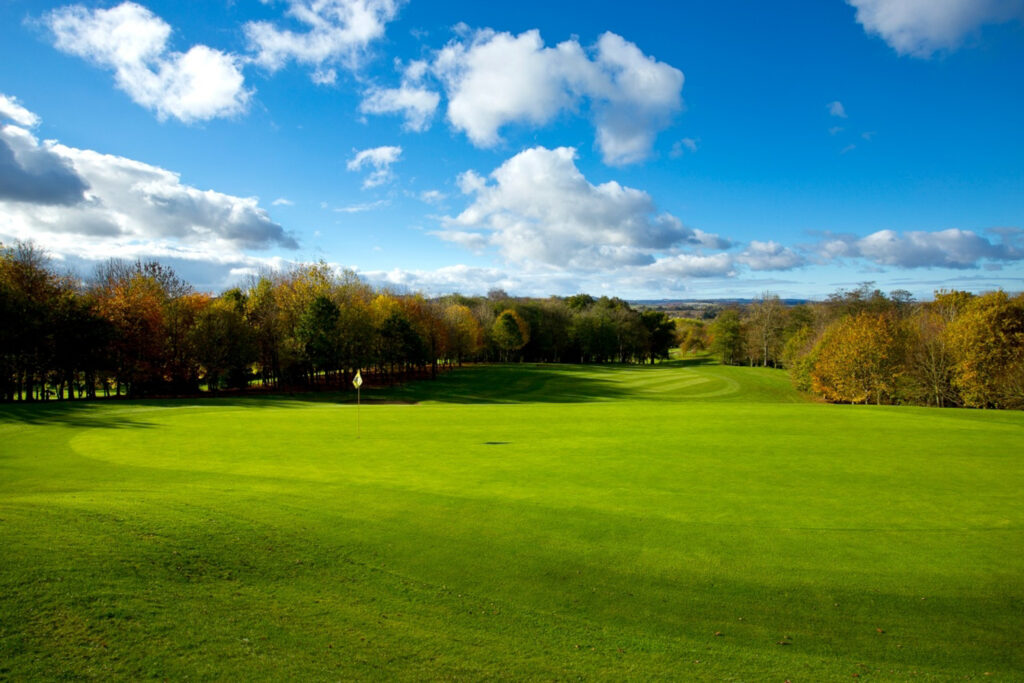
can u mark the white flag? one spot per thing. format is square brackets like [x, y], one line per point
[357, 381]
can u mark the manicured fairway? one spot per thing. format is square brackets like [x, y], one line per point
[517, 523]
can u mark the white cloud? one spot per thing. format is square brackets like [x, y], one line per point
[951, 248]
[417, 104]
[202, 83]
[412, 99]
[684, 266]
[334, 32]
[538, 208]
[474, 241]
[432, 196]
[283, 201]
[378, 158]
[360, 208]
[477, 280]
[12, 110]
[91, 206]
[681, 147]
[836, 109]
[769, 256]
[921, 28]
[496, 79]
[643, 96]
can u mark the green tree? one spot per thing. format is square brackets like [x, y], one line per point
[224, 343]
[317, 331]
[510, 332]
[727, 337]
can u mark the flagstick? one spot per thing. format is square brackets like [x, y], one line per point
[357, 382]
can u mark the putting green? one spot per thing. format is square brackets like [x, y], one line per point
[520, 522]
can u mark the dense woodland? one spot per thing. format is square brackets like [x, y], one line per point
[136, 329]
[863, 346]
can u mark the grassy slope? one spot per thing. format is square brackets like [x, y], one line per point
[521, 522]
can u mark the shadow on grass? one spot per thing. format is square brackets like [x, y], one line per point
[484, 384]
[87, 415]
[510, 384]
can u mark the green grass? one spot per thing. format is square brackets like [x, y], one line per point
[519, 522]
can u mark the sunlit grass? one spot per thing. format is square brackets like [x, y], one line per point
[542, 522]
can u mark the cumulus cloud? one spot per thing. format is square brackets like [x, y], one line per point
[333, 32]
[685, 266]
[478, 280]
[495, 79]
[202, 83]
[837, 109]
[283, 201]
[380, 160]
[412, 99]
[33, 173]
[951, 248]
[770, 256]
[538, 208]
[921, 28]
[91, 206]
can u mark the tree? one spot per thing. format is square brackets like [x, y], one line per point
[510, 332]
[224, 344]
[464, 331]
[765, 321]
[727, 337]
[132, 297]
[930, 361]
[692, 335]
[987, 340]
[263, 317]
[317, 331]
[860, 359]
[661, 333]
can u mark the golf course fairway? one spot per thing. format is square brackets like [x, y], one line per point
[681, 521]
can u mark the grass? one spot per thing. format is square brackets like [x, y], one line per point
[518, 522]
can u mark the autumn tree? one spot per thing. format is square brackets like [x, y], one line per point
[263, 317]
[692, 335]
[765, 322]
[464, 331]
[931, 363]
[860, 359]
[987, 340]
[131, 296]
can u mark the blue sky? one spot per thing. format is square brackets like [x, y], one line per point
[691, 151]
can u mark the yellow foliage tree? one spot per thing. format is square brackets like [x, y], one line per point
[859, 359]
[987, 340]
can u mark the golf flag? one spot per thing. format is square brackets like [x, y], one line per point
[357, 381]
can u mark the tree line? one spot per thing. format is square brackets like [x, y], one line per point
[137, 329]
[864, 346]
